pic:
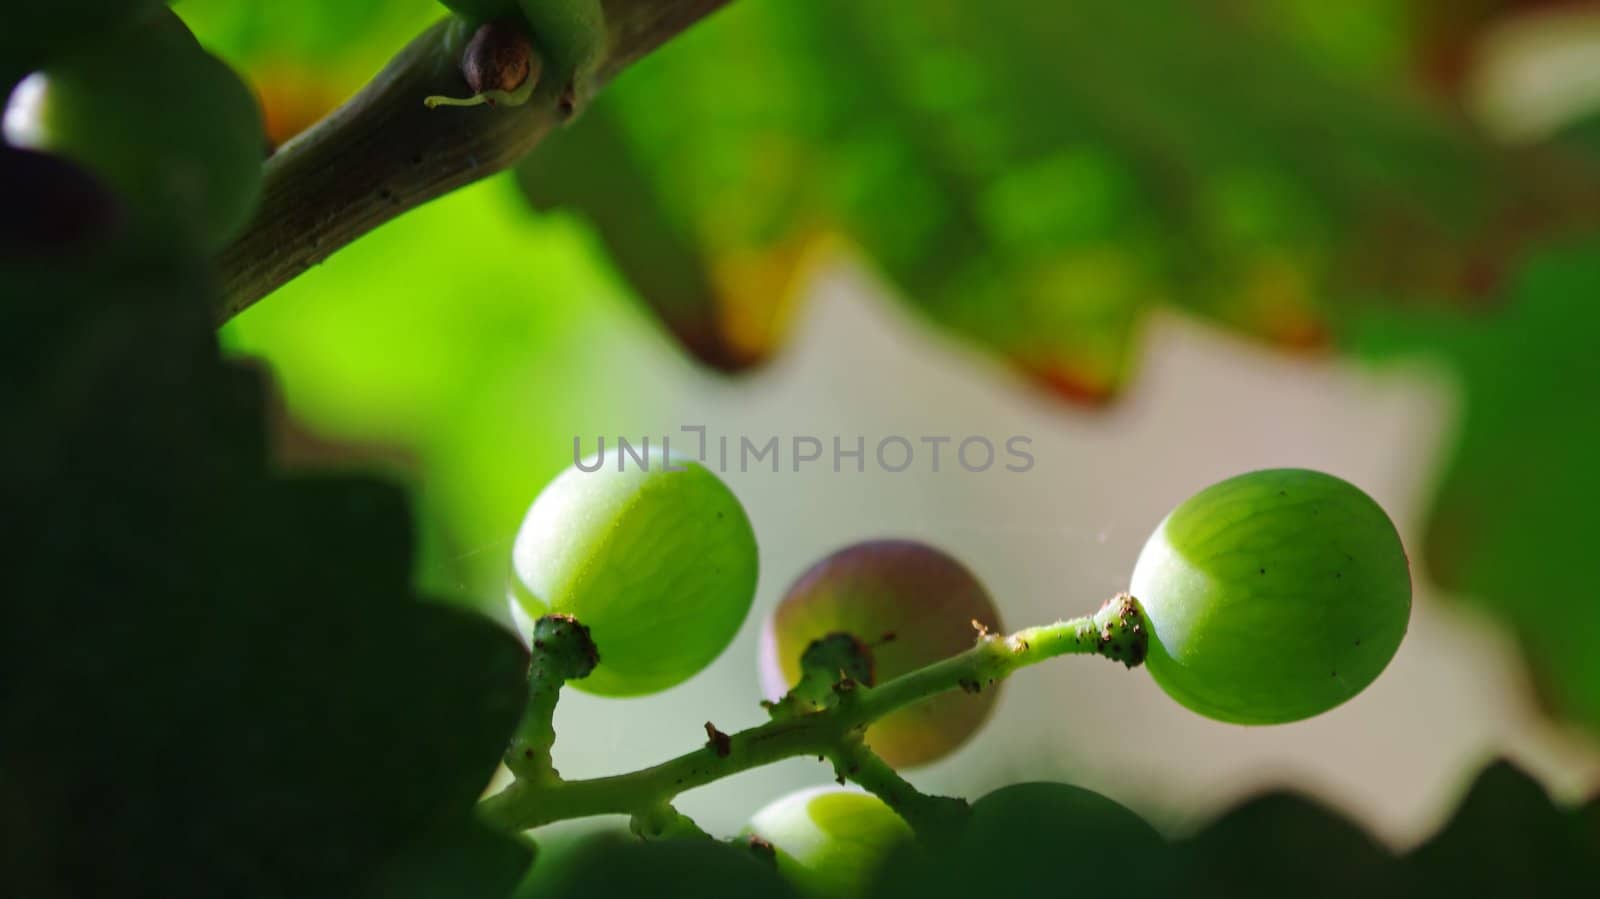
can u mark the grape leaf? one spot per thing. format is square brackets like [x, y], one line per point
[1508, 528]
[219, 681]
[37, 30]
[593, 166]
[462, 859]
[304, 57]
[1037, 178]
[1507, 838]
[1284, 844]
[710, 225]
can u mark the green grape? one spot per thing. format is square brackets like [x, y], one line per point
[1056, 813]
[829, 840]
[1272, 596]
[660, 564]
[38, 30]
[165, 124]
[477, 11]
[608, 866]
[571, 35]
[1034, 839]
[914, 605]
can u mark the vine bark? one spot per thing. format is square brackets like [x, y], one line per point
[383, 152]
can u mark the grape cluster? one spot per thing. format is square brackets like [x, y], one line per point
[1269, 597]
[1266, 598]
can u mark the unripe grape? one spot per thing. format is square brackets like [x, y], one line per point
[36, 31]
[1057, 814]
[1272, 596]
[484, 10]
[829, 840]
[607, 866]
[659, 564]
[915, 605]
[1034, 839]
[167, 125]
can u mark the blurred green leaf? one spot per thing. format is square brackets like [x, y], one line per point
[1507, 839]
[1037, 177]
[304, 57]
[1509, 524]
[221, 683]
[462, 860]
[591, 166]
[1284, 844]
[37, 30]
[701, 186]
[1370, 40]
[467, 340]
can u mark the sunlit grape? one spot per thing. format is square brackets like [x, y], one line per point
[829, 840]
[658, 561]
[1272, 596]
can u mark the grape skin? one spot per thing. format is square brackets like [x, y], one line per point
[919, 597]
[829, 840]
[661, 566]
[169, 127]
[1273, 596]
[1034, 839]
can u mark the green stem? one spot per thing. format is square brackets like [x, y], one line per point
[383, 152]
[528, 755]
[934, 818]
[830, 666]
[663, 822]
[1116, 631]
[562, 650]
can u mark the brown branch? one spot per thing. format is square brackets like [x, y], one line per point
[383, 152]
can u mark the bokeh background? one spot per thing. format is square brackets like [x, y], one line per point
[1168, 241]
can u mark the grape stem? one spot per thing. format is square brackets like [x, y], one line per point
[383, 152]
[935, 819]
[663, 822]
[1117, 631]
[562, 651]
